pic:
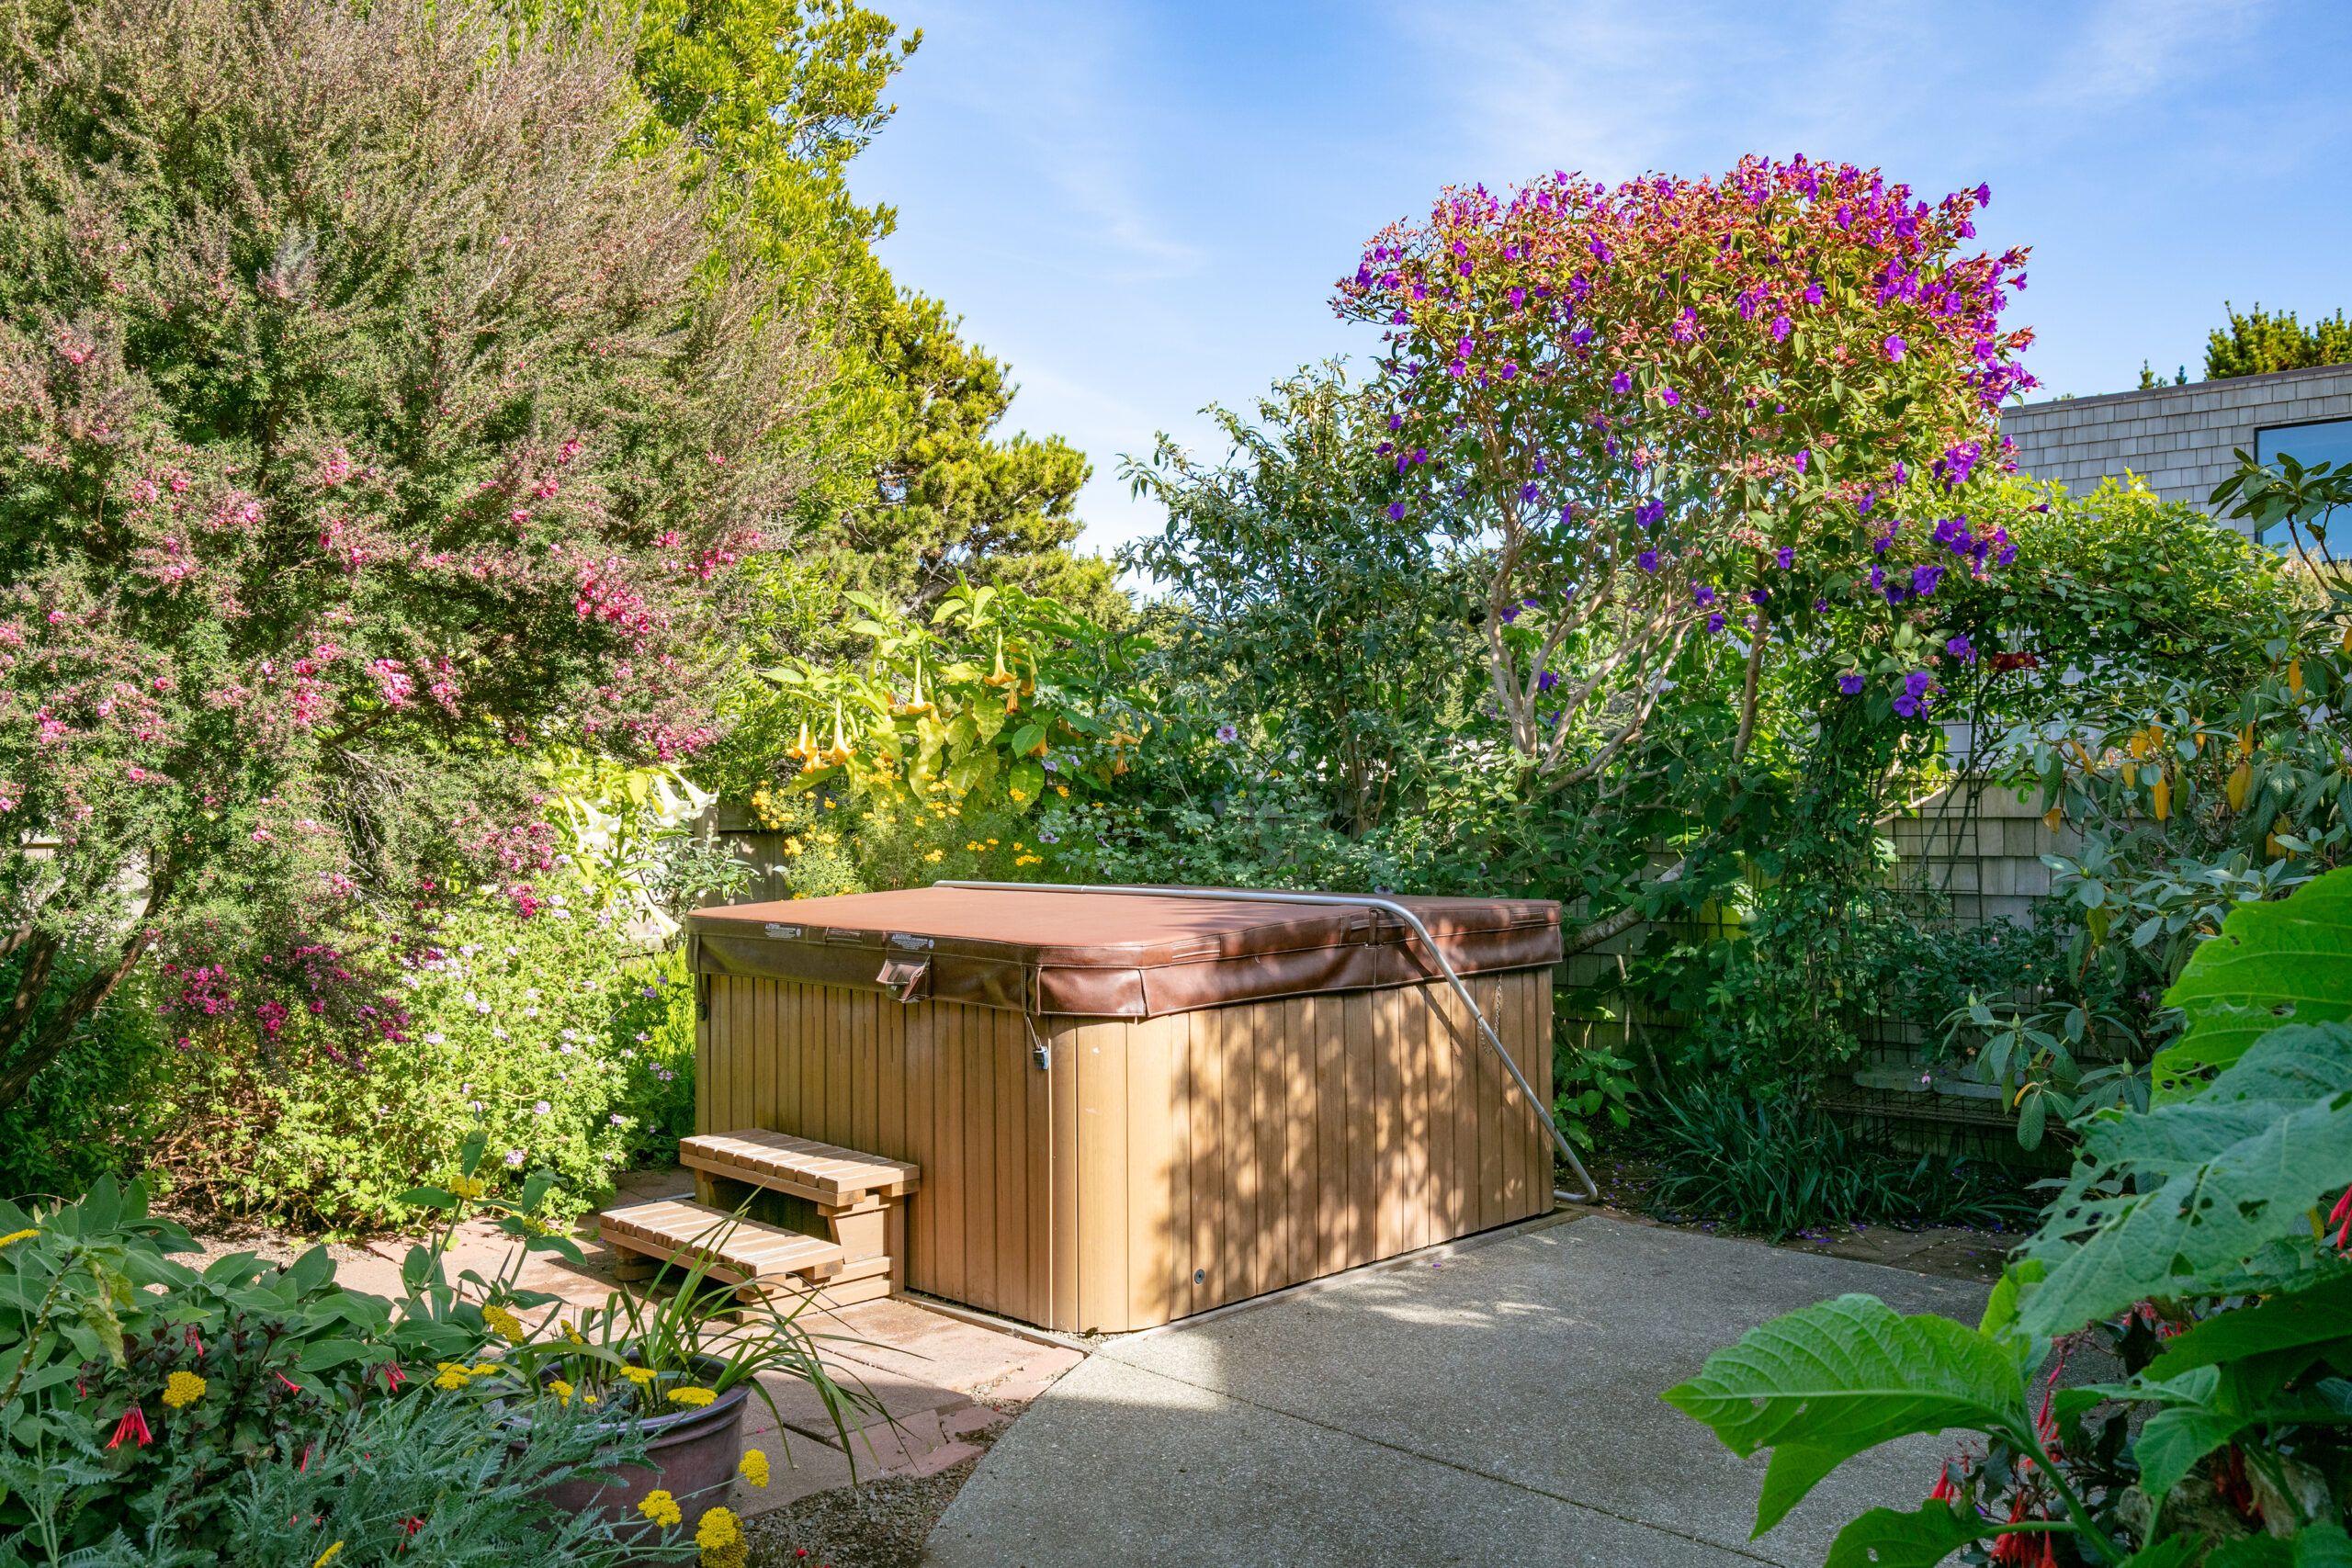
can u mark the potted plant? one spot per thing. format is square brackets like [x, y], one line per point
[672, 1365]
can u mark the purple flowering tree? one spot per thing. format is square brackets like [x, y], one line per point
[1753, 409]
[365, 427]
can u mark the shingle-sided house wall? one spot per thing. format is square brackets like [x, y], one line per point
[2179, 439]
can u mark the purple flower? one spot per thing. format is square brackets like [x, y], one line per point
[1528, 490]
[1545, 679]
[1960, 648]
[1781, 329]
[1787, 556]
[1902, 476]
[514, 1156]
[1917, 683]
[1646, 561]
[1908, 706]
[1821, 607]
[1670, 397]
[1805, 455]
[1704, 594]
[1395, 512]
[1894, 347]
[1715, 622]
[1581, 336]
[1924, 580]
[1622, 382]
[1228, 733]
[1850, 684]
[1812, 294]
[1650, 513]
[542, 1109]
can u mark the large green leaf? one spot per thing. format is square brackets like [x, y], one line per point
[1822, 1384]
[2292, 957]
[2242, 1174]
[2311, 1317]
[2320, 1546]
[1884, 1538]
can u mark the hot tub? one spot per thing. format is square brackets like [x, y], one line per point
[1127, 1109]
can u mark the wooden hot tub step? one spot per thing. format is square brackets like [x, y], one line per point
[739, 1252]
[822, 1173]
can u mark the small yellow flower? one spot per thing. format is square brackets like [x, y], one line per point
[638, 1375]
[689, 1394]
[935, 856]
[661, 1507]
[452, 1376]
[183, 1389]
[483, 1369]
[504, 1324]
[324, 1556]
[14, 1236]
[755, 1466]
[1062, 790]
[467, 1187]
[721, 1539]
[560, 1389]
[571, 1334]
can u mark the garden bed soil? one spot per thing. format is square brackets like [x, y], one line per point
[881, 1523]
[1953, 1252]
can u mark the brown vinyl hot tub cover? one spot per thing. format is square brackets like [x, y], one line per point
[1109, 955]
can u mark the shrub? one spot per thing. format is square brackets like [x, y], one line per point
[1777, 1164]
[374, 412]
[2195, 1240]
[568, 1045]
[95, 1110]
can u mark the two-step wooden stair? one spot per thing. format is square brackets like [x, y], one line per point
[796, 1188]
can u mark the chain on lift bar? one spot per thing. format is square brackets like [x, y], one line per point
[1357, 900]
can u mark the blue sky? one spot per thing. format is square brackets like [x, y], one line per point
[1142, 205]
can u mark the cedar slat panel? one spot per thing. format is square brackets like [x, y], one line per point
[1514, 1112]
[1067, 1043]
[702, 1064]
[890, 1082]
[1388, 1128]
[947, 1115]
[1539, 982]
[1413, 1031]
[980, 1245]
[1444, 1077]
[923, 1146]
[1009, 1225]
[1102, 1176]
[1327, 1020]
[1237, 1248]
[840, 1071]
[1300, 1172]
[1364, 1192]
[1037, 1140]
[1262, 1048]
[1492, 1081]
[1149, 1103]
[1205, 1089]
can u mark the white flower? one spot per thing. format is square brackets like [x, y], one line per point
[496, 1033]
[572, 1034]
[433, 1037]
[542, 1109]
[531, 993]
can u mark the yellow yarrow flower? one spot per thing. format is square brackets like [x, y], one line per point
[452, 1376]
[661, 1507]
[638, 1375]
[504, 1324]
[560, 1389]
[483, 1368]
[14, 1236]
[689, 1394]
[721, 1539]
[322, 1558]
[183, 1389]
[755, 1466]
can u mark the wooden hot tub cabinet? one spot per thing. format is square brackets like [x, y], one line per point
[1283, 1093]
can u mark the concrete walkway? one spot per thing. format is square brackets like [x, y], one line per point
[1499, 1407]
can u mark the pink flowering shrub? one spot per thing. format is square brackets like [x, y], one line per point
[1752, 411]
[333, 480]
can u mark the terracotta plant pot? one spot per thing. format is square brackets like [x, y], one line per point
[692, 1455]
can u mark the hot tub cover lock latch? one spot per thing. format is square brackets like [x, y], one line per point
[908, 979]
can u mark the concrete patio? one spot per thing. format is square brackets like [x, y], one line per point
[1497, 1405]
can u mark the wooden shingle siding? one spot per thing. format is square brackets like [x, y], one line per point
[1255, 1145]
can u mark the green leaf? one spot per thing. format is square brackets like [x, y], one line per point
[1886, 1538]
[310, 1270]
[2271, 960]
[2243, 1173]
[2315, 1316]
[328, 1353]
[427, 1198]
[2172, 1551]
[2320, 1546]
[1822, 1384]
[2174, 1439]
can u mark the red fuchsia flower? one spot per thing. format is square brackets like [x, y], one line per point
[1944, 1491]
[196, 1340]
[2342, 1214]
[133, 1425]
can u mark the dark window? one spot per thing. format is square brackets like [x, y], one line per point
[2328, 440]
